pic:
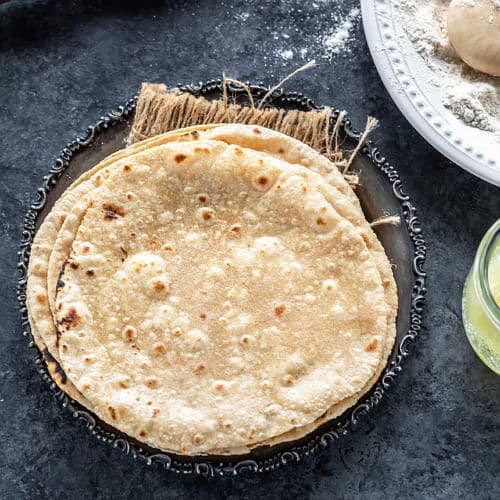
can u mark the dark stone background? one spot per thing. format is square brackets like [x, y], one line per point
[62, 64]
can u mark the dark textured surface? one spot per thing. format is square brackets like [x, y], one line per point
[62, 65]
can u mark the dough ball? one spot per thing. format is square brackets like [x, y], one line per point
[474, 32]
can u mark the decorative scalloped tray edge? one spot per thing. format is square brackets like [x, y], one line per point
[229, 467]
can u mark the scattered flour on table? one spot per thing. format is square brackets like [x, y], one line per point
[323, 42]
[286, 54]
[321, 29]
[472, 96]
[243, 16]
[339, 39]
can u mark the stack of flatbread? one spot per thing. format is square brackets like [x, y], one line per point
[212, 290]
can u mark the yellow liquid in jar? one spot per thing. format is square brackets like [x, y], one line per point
[480, 327]
[494, 273]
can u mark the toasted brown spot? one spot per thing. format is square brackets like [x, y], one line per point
[85, 249]
[74, 265]
[227, 425]
[64, 347]
[203, 292]
[195, 134]
[152, 383]
[168, 248]
[293, 421]
[236, 228]
[133, 235]
[159, 348]
[197, 439]
[112, 412]
[90, 272]
[256, 131]
[219, 387]
[71, 319]
[279, 310]
[288, 379]
[112, 211]
[245, 339]
[202, 198]
[62, 218]
[304, 189]
[85, 387]
[239, 152]
[129, 333]
[281, 151]
[179, 158]
[262, 180]
[98, 180]
[207, 214]
[320, 221]
[41, 298]
[261, 162]
[53, 362]
[366, 238]
[202, 150]
[176, 332]
[203, 316]
[199, 368]
[124, 254]
[87, 360]
[129, 196]
[371, 346]
[38, 266]
[143, 433]
[127, 168]
[123, 384]
[159, 286]
[149, 403]
[156, 412]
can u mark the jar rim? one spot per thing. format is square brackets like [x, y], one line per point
[485, 253]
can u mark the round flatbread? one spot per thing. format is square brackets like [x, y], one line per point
[210, 285]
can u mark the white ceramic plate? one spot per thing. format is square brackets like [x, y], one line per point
[406, 77]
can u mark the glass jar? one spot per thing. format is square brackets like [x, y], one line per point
[481, 297]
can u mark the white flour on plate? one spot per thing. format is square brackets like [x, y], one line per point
[472, 96]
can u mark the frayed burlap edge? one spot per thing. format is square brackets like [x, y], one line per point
[160, 110]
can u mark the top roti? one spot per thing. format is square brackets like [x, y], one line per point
[214, 298]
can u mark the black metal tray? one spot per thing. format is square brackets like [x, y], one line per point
[380, 192]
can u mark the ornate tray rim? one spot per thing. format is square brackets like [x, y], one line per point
[293, 453]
